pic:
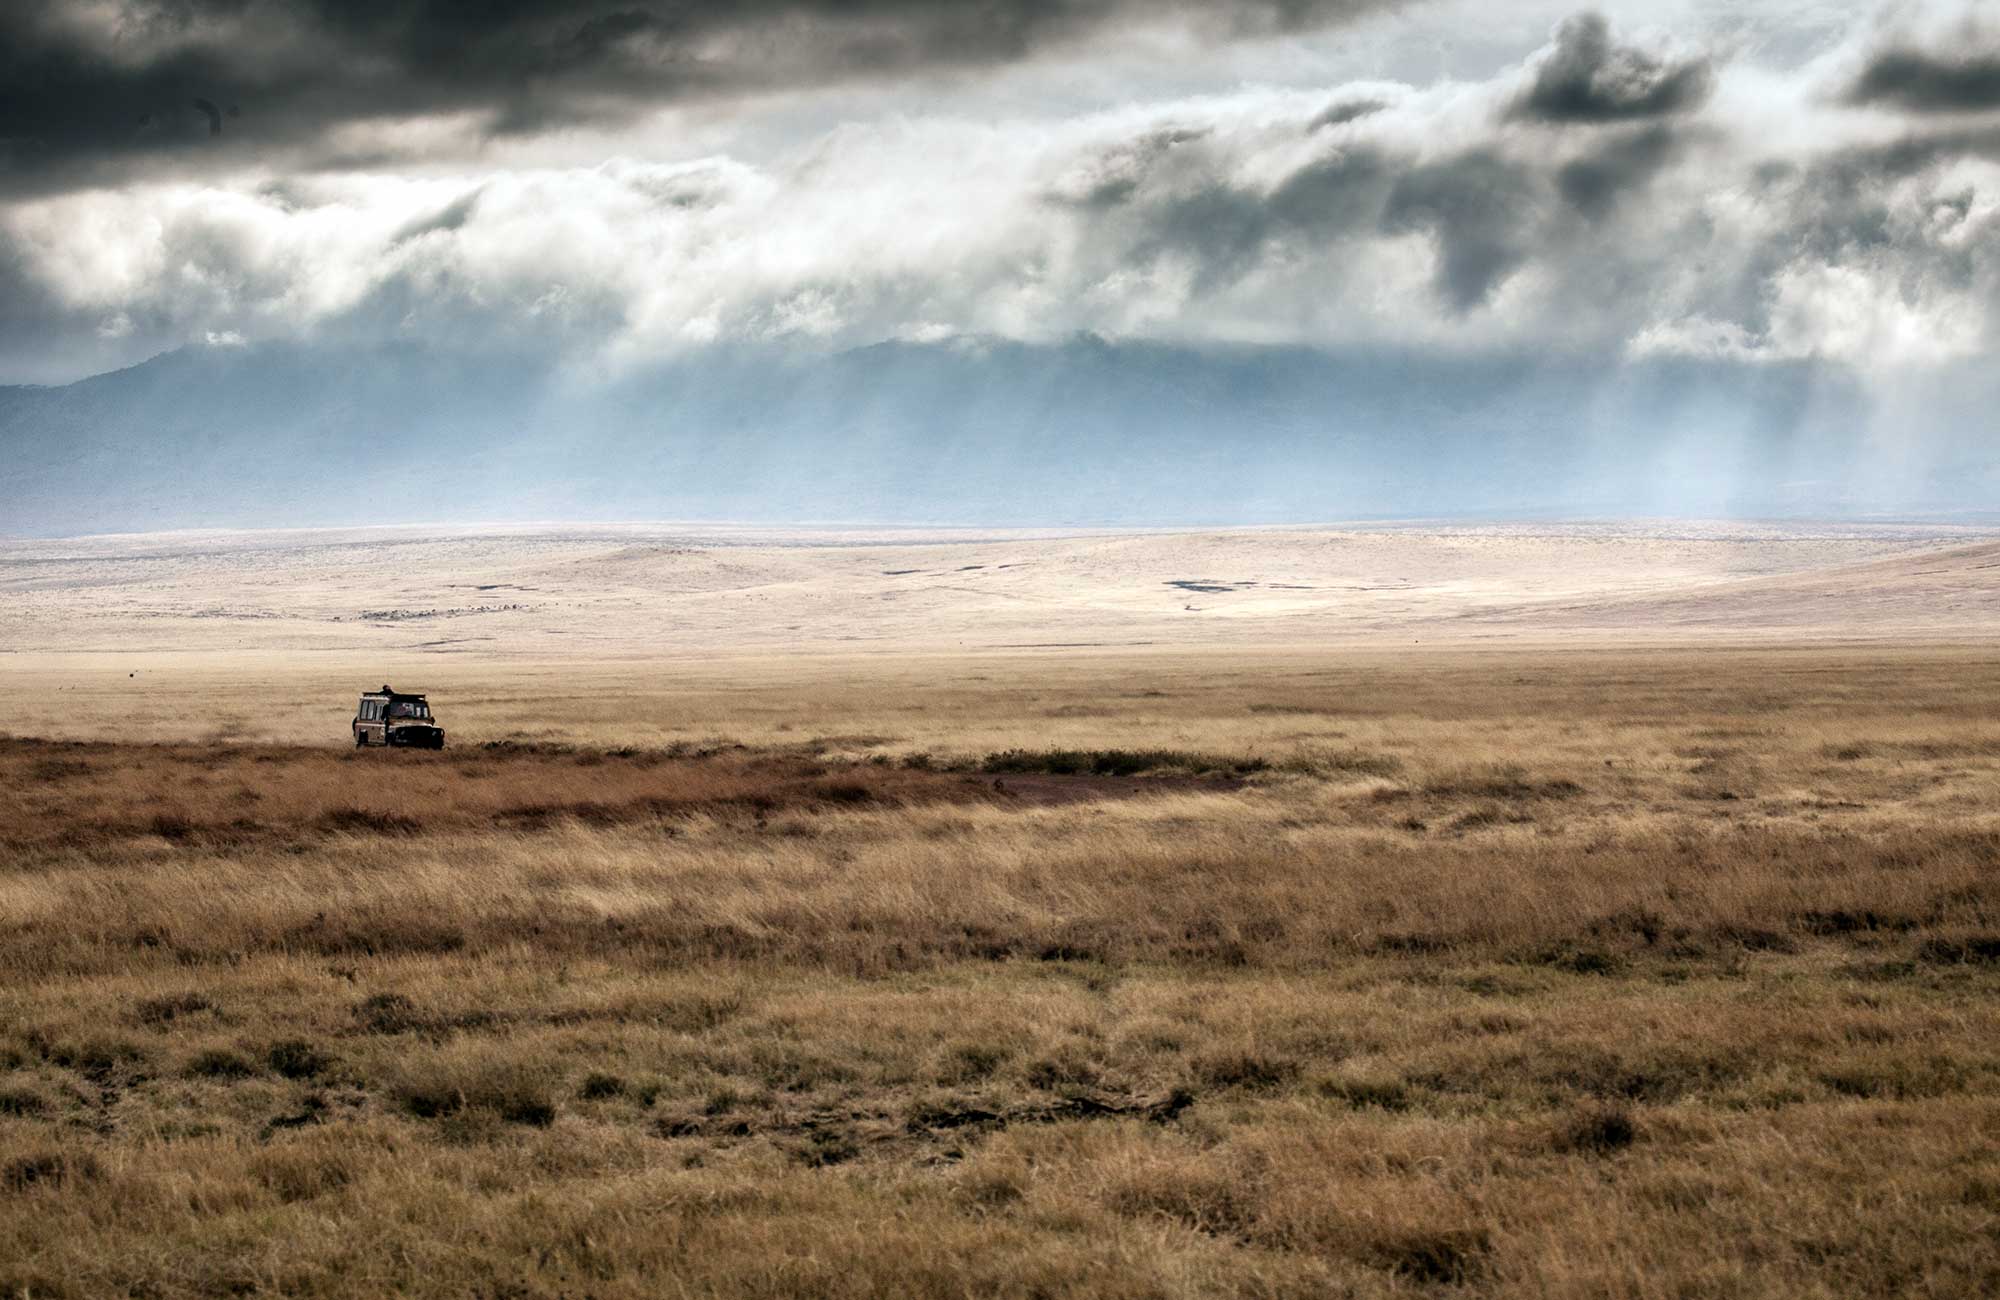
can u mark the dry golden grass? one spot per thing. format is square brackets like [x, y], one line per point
[1638, 975]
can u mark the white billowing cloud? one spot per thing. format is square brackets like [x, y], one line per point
[1865, 318]
[1638, 199]
[201, 257]
[1702, 338]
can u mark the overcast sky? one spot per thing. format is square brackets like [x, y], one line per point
[620, 182]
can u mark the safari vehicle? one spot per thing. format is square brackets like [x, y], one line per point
[387, 717]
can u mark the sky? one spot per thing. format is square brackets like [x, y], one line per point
[1744, 183]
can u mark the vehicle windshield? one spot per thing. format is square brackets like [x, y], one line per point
[409, 709]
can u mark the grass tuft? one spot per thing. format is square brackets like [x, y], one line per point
[1116, 762]
[47, 1169]
[1595, 1131]
[22, 1102]
[157, 1012]
[295, 1058]
[218, 1063]
[1960, 950]
[1248, 1070]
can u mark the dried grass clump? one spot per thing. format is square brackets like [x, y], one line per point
[443, 1085]
[1117, 762]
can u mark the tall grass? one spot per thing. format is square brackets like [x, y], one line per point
[1438, 991]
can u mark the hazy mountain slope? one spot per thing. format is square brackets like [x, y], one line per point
[984, 433]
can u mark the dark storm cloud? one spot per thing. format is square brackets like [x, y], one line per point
[1846, 205]
[1115, 175]
[1221, 228]
[1595, 183]
[1481, 208]
[452, 216]
[1345, 111]
[1589, 78]
[1926, 83]
[1916, 152]
[82, 96]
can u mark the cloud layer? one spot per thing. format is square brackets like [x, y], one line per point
[1619, 191]
[102, 89]
[1585, 76]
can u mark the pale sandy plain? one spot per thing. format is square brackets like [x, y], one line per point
[642, 592]
[694, 630]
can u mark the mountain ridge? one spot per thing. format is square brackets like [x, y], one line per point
[1087, 432]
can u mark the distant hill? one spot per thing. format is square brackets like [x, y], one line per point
[1085, 432]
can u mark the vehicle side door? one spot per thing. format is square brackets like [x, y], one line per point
[373, 725]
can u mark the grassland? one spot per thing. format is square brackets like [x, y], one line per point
[1660, 974]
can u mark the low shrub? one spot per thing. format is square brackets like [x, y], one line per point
[1115, 762]
[441, 1089]
[1960, 950]
[46, 1169]
[295, 1058]
[1595, 1131]
[22, 1102]
[155, 1012]
[1498, 781]
[1248, 1070]
[1364, 1093]
[218, 1063]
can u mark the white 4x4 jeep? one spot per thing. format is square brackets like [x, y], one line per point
[387, 717]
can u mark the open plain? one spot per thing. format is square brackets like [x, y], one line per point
[1503, 911]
